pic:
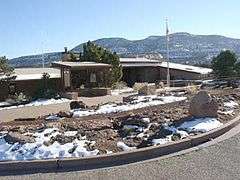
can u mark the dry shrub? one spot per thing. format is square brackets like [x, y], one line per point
[120, 85]
[192, 89]
[138, 86]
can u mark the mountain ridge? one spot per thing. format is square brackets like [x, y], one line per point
[185, 48]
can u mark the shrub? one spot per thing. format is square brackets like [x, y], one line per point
[120, 85]
[46, 89]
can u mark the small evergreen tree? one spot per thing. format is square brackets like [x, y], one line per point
[224, 65]
[237, 68]
[6, 70]
[95, 53]
[46, 89]
[72, 56]
[4, 66]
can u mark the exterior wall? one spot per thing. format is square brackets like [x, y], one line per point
[82, 77]
[179, 75]
[3, 92]
[154, 74]
[27, 87]
[140, 74]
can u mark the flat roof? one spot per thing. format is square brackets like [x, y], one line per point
[138, 60]
[80, 64]
[144, 62]
[33, 73]
[183, 67]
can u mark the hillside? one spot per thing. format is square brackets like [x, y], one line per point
[184, 48]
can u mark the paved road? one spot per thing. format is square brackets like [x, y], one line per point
[219, 161]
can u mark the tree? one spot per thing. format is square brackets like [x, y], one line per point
[46, 88]
[95, 53]
[224, 65]
[4, 66]
[5, 72]
[72, 57]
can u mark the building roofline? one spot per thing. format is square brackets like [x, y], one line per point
[78, 64]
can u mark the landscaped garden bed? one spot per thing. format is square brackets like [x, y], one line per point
[141, 121]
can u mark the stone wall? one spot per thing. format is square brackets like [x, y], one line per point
[94, 92]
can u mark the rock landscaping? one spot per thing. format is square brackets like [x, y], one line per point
[140, 121]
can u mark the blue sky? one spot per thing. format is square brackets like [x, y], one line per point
[36, 26]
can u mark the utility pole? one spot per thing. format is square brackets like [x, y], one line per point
[167, 42]
[43, 63]
[44, 37]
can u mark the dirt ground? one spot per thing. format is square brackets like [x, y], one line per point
[37, 111]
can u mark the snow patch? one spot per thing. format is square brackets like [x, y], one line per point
[200, 125]
[139, 102]
[161, 141]
[195, 125]
[231, 104]
[38, 149]
[52, 118]
[125, 147]
[122, 91]
[40, 102]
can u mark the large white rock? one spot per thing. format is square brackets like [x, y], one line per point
[202, 105]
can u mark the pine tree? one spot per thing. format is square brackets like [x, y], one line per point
[4, 66]
[224, 65]
[95, 53]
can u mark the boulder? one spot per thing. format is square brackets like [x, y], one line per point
[61, 139]
[136, 121]
[149, 89]
[14, 137]
[77, 105]
[66, 114]
[202, 105]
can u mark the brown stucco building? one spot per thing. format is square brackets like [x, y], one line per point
[28, 81]
[89, 78]
[150, 70]
[85, 78]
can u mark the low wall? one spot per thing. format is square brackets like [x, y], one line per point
[94, 92]
[32, 111]
[28, 87]
[101, 161]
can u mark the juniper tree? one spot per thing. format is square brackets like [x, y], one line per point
[4, 66]
[95, 53]
[224, 65]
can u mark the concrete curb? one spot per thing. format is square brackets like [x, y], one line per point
[102, 161]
